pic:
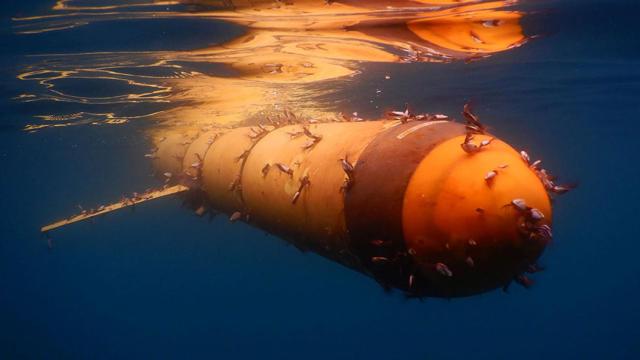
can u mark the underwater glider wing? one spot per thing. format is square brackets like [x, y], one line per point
[123, 203]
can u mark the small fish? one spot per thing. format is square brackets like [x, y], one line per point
[562, 189]
[470, 261]
[486, 142]
[201, 210]
[546, 229]
[265, 169]
[346, 166]
[379, 259]
[471, 118]
[475, 37]
[546, 178]
[304, 181]
[398, 113]
[472, 129]
[308, 133]
[284, 168]
[377, 242]
[235, 184]
[491, 23]
[519, 204]
[295, 197]
[536, 214]
[403, 116]
[469, 147]
[257, 135]
[443, 270]
[309, 144]
[244, 155]
[290, 115]
[543, 232]
[535, 164]
[295, 134]
[524, 281]
[488, 177]
[235, 216]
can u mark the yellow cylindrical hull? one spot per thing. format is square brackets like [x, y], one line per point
[402, 202]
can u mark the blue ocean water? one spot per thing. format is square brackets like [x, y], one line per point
[160, 282]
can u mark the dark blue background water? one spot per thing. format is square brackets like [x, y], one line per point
[162, 283]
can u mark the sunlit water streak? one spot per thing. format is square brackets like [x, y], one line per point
[292, 56]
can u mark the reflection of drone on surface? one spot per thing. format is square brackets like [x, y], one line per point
[278, 64]
[286, 57]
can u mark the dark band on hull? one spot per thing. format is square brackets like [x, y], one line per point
[373, 206]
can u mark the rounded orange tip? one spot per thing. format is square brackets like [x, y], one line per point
[472, 214]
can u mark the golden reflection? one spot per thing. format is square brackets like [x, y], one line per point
[294, 55]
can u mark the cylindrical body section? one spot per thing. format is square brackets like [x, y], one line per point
[416, 205]
[314, 217]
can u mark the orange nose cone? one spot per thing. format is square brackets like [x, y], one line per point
[474, 221]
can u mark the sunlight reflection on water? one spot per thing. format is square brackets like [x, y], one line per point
[292, 55]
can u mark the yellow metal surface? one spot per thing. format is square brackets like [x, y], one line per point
[193, 160]
[448, 200]
[317, 214]
[222, 169]
[452, 210]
